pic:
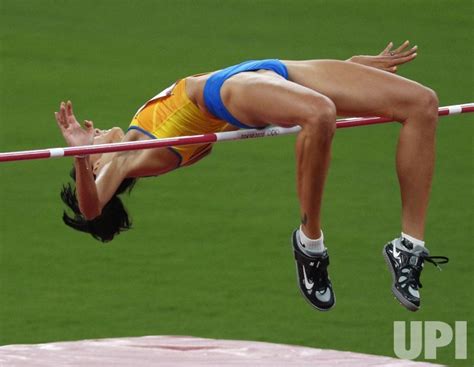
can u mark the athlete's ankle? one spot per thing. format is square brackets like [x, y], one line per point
[309, 245]
[413, 239]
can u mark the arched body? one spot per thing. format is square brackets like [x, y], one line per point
[283, 92]
[309, 93]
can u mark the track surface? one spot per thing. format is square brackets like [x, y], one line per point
[173, 351]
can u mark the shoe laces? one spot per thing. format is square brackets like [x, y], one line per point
[319, 274]
[414, 265]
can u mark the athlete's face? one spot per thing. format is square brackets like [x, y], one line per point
[113, 135]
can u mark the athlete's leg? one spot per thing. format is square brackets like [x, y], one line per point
[258, 99]
[357, 90]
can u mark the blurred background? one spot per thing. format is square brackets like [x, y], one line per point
[209, 254]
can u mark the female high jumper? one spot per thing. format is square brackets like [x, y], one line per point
[255, 94]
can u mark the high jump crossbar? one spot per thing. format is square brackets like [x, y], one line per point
[202, 139]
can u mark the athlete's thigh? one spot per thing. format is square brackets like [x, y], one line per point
[356, 89]
[257, 99]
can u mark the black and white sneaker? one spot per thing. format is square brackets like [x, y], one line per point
[405, 262]
[313, 279]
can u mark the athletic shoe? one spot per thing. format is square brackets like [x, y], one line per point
[313, 279]
[405, 262]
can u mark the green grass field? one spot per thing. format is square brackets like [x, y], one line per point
[210, 255]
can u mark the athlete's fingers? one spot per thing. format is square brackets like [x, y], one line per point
[56, 117]
[59, 121]
[384, 62]
[390, 61]
[405, 59]
[393, 69]
[407, 53]
[390, 70]
[403, 46]
[89, 125]
[387, 49]
[399, 51]
[69, 108]
[70, 115]
[62, 113]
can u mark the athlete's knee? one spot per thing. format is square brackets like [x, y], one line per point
[429, 103]
[320, 116]
[425, 106]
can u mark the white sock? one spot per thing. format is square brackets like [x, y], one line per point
[413, 240]
[311, 246]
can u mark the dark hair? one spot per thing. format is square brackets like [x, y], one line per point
[113, 219]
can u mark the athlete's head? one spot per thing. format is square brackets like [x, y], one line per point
[114, 217]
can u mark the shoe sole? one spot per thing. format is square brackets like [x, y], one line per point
[398, 296]
[301, 291]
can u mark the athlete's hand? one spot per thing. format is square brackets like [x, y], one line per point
[72, 131]
[388, 59]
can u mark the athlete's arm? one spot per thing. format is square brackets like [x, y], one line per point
[75, 135]
[94, 193]
[388, 59]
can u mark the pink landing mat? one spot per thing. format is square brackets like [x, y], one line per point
[172, 351]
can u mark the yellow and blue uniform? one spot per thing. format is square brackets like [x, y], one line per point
[172, 114]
